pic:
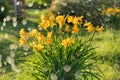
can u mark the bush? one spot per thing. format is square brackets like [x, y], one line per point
[60, 52]
[91, 9]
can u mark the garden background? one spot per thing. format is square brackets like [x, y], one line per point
[17, 62]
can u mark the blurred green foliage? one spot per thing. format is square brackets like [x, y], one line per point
[4, 8]
[39, 3]
[91, 9]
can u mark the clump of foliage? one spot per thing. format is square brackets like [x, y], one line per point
[59, 51]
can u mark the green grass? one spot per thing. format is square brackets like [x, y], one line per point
[108, 52]
[8, 36]
[34, 14]
[107, 48]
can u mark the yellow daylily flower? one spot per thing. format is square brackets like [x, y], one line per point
[22, 32]
[70, 19]
[33, 32]
[67, 42]
[49, 34]
[48, 41]
[75, 29]
[100, 29]
[90, 29]
[88, 24]
[51, 19]
[60, 20]
[75, 21]
[40, 36]
[45, 24]
[39, 47]
[22, 41]
[80, 19]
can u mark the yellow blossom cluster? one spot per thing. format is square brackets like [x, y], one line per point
[111, 11]
[61, 20]
[61, 23]
[68, 22]
[37, 39]
[91, 28]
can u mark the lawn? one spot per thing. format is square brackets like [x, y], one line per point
[106, 44]
[107, 50]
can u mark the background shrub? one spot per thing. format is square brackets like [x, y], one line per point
[4, 3]
[91, 9]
